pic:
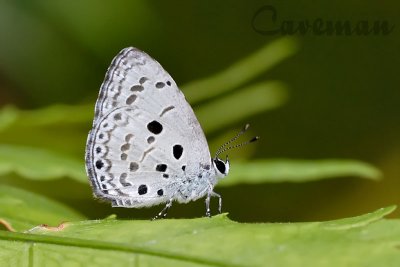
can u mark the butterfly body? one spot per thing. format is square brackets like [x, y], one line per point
[146, 146]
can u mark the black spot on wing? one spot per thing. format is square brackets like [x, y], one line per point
[142, 189]
[155, 127]
[130, 99]
[150, 139]
[177, 150]
[128, 137]
[161, 167]
[125, 147]
[137, 88]
[160, 85]
[117, 116]
[142, 80]
[133, 166]
[99, 164]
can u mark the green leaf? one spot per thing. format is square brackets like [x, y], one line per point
[59, 128]
[24, 210]
[39, 164]
[239, 105]
[8, 115]
[242, 71]
[359, 221]
[286, 170]
[48, 116]
[365, 240]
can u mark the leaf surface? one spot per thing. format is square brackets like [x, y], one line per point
[39, 164]
[366, 240]
[24, 210]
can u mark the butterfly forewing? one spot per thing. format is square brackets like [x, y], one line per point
[145, 135]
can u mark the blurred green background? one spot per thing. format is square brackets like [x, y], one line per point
[339, 97]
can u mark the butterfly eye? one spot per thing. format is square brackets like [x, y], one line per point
[220, 166]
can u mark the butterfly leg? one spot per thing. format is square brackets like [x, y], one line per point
[163, 214]
[213, 194]
[208, 212]
[209, 195]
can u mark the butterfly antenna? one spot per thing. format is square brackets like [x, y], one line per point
[255, 138]
[244, 129]
[223, 148]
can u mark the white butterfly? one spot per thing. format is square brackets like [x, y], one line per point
[146, 146]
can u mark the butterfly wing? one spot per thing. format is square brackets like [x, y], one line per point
[145, 135]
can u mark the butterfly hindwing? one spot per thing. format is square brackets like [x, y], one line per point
[145, 135]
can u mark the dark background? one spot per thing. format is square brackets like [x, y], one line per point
[343, 98]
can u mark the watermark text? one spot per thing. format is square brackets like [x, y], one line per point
[266, 22]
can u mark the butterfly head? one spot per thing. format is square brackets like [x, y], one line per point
[221, 167]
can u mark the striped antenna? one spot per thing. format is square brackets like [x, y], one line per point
[223, 148]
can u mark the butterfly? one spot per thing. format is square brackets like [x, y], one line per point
[146, 146]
